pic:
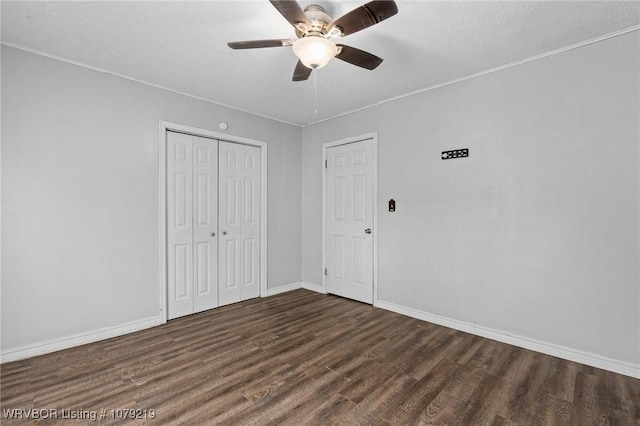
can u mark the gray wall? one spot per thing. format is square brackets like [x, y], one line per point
[536, 233]
[80, 196]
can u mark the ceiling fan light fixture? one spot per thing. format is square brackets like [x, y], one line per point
[314, 29]
[314, 51]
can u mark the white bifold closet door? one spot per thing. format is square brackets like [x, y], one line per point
[239, 218]
[192, 221]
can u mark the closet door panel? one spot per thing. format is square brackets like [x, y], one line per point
[205, 223]
[230, 242]
[179, 224]
[239, 174]
[251, 222]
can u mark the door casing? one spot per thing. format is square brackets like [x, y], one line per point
[373, 136]
[163, 127]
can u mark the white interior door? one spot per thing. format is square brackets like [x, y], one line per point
[239, 243]
[349, 220]
[192, 208]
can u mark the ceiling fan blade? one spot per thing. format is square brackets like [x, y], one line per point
[254, 44]
[358, 57]
[301, 72]
[365, 16]
[292, 12]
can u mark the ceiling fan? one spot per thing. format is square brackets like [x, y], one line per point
[315, 29]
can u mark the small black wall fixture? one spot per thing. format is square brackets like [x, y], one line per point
[455, 153]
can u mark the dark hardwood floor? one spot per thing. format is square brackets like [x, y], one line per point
[306, 358]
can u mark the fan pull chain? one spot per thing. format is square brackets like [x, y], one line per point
[315, 91]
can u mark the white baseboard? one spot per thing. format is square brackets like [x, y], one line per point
[598, 361]
[295, 286]
[283, 289]
[77, 340]
[54, 345]
[313, 287]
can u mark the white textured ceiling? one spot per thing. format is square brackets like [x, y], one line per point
[182, 46]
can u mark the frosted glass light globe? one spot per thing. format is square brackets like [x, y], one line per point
[314, 51]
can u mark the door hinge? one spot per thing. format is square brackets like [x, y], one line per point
[325, 272]
[326, 164]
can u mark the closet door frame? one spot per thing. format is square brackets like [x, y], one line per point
[165, 126]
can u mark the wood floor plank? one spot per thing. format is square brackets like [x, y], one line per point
[529, 401]
[551, 410]
[296, 407]
[305, 358]
[485, 403]
[424, 391]
[458, 390]
[331, 411]
[588, 406]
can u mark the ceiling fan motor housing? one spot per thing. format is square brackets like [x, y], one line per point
[319, 20]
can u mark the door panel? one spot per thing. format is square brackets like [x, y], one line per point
[205, 194]
[203, 269]
[230, 274]
[349, 213]
[179, 223]
[239, 222]
[182, 274]
[192, 219]
[248, 261]
[251, 223]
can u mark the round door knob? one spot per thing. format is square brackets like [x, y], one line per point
[224, 232]
[213, 234]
